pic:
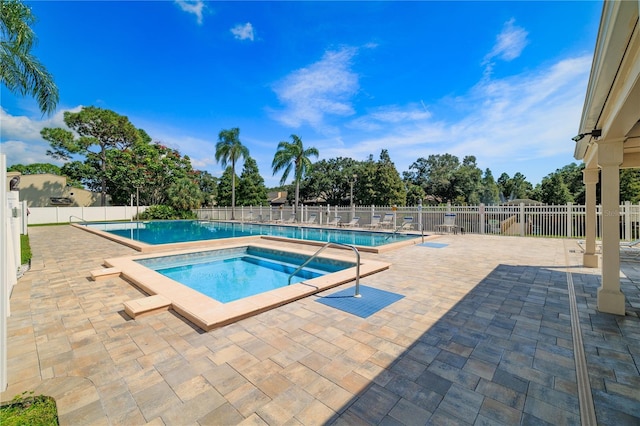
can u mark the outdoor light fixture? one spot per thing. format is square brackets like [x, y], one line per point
[596, 133]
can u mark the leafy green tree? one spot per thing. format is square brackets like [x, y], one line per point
[490, 193]
[572, 176]
[553, 190]
[225, 185]
[80, 175]
[467, 182]
[293, 156]
[514, 188]
[184, 195]
[251, 189]
[230, 149]
[146, 170]
[389, 186]
[630, 185]
[329, 180]
[436, 175]
[365, 187]
[35, 169]
[20, 70]
[208, 186]
[95, 127]
[415, 194]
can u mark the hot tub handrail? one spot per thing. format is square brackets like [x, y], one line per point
[313, 256]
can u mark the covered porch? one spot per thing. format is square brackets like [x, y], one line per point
[609, 138]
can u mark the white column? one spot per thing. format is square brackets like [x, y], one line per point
[13, 198]
[4, 274]
[610, 155]
[590, 179]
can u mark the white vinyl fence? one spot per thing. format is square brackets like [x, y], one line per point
[567, 221]
[46, 215]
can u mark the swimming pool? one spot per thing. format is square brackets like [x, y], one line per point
[177, 231]
[232, 274]
[207, 312]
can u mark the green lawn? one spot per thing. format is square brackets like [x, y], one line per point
[37, 410]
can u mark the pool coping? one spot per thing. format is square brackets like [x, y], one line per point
[154, 248]
[208, 313]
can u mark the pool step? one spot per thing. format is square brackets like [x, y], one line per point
[105, 273]
[146, 305]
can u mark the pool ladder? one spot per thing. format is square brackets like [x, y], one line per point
[82, 221]
[313, 256]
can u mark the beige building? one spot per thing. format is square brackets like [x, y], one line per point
[48, 190]
[609, 138]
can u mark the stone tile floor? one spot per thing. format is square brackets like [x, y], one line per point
[483, 336]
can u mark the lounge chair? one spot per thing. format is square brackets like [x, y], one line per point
[407, 224]
[352, 223]
[387, 221]
[375, 222]
[311, 219]
[334, 222]
[449, 224]
[292, 219]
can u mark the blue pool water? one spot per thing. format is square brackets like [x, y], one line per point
[231, 274]
[174, 231]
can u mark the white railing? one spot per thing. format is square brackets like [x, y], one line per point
[566, 221]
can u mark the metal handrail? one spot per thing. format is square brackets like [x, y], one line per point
[81, 219]
[324, 247]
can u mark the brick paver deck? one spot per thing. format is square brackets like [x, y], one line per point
[483, 336]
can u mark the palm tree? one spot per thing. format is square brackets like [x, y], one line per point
[293, 155]
[20, 71]
[230, 149]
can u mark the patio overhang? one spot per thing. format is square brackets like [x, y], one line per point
[609, 138]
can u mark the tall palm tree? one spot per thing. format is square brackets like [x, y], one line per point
[230, 149]
[20, 71]
[293, 155]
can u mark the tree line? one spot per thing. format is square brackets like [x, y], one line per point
[121, 161]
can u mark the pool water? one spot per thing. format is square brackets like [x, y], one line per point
[165, 232]
[231, 274]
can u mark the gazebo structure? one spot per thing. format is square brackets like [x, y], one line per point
[609, 138]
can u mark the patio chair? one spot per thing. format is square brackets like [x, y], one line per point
[375, 222]
[407, 224]
[352, 223]
[291, 219]
[311, 219]
[449, 224]
[387, 220]
[334, 222]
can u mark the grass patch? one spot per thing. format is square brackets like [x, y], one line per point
[25, 250]
[29, 410]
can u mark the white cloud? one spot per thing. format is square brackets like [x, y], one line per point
[322, 89]
[243, 32]
[20, 152]
[517, 122]
[509, 45]
[27, 128]
[392, 114]
[20, 137]
[192, 6]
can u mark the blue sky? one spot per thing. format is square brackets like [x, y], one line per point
[504, 81]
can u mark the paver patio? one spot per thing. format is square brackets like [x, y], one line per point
[483, 335]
